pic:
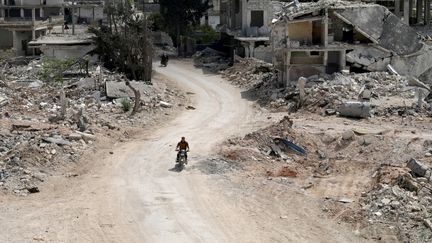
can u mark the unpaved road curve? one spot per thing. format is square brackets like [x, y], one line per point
[133, 196]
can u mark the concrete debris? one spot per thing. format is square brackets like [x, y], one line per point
[120, 90]
[56, 140]
[165, 104]
[35, 136]
[417, 168]
[390, 205]
[211, 59]
[250, 73]
[355, 109]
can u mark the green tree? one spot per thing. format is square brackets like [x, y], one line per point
[181, 15]
[125, 45]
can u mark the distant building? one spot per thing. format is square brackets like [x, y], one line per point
[148, 6]
[22, 21]
[85, 11]
[213, 16]
[247, 23]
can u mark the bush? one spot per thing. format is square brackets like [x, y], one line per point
[206, 34]
[126, 105]
[53, 69]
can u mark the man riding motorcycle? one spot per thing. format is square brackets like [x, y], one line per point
[182, 145]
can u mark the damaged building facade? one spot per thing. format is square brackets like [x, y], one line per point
[247, 23]
[85, 11]
[412, 12]
[22, 21]
[330, 36]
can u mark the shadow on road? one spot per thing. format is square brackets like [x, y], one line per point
[177, 168]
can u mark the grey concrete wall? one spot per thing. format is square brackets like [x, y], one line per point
[66, 52]
[6, 39]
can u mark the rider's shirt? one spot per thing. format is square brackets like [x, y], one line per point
[183, 145]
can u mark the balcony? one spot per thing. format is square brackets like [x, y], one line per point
[27, 23]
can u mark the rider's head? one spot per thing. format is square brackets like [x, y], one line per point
[183, 138]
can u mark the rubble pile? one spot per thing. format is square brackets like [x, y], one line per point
[249, 72]
[36, 138]
[329, 93]
[211, 59]
[402, 203]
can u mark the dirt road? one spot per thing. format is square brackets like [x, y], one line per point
[134, 195]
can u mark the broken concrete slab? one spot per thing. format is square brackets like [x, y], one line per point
[355, 109]
[414, 65]
[382, 27]
[370, 57]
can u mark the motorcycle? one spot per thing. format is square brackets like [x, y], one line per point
[182, 159]
[164, 61]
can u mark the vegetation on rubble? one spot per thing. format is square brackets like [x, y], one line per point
[206, 34]
[125, 45]
[125, 105]
[53, 69]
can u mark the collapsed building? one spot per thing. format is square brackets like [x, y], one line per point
[331, 36]
[412, 12]
[23, 21]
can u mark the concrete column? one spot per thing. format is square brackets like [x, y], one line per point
[252, 49]
[397, 7]
[325, 59]
[411, 7]
[93, 14]
[41, 12]
[427, 12]
[15, 41]
[342, 60]
[326, 29]
[33, 23]
[247, 49]
[22, 12]
[406, 12]
[419, 11]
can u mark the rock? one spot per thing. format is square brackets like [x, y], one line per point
[86, 136]
[33, 189]
[379, 214]
[330, 112]
[53, 152]
[74, 137]
[346, 200]
[58, 141]
[417, 168]
[348, 135]
[165, 104]
[327, 138]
